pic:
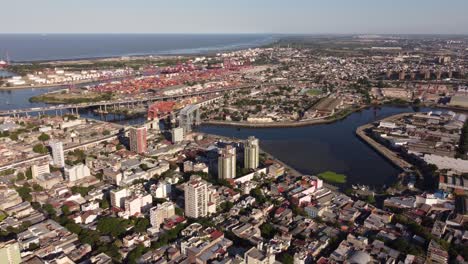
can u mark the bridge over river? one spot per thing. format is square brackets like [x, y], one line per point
[130, 101]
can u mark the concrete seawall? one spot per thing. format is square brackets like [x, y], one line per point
[384, 151]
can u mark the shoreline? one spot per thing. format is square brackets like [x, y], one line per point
[285, 124]
[60, 86]
[381, 149]
[271, 39]
[23, 87]
[287, 167]
[323, 121]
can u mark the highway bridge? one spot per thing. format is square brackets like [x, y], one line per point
[76, 107]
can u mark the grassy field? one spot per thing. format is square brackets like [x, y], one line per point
[66, 98]
[314, 92]
[332, 177]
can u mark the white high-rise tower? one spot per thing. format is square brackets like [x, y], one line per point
[251, 153]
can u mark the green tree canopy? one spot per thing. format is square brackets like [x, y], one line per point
[39, 148]
[43, 137]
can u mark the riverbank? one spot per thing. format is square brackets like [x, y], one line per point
[290, 170]
[338, 116]
[55, 85]
[384, 151]
[67, 98]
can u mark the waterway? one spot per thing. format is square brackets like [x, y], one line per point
[34, 47]
[335, 147]
[310, 149]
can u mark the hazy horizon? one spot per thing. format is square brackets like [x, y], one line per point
[239, 33]
[420, 17]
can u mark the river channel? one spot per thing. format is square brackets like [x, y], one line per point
[309, 149]
[328, 147]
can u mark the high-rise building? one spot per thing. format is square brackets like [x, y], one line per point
[177, 134]
[161, 212]
[227, 163]
[10, 252]
[117, 197]
[57, 153]
[196, 197]
[251, 153]
[77, 172]
[38, 170]
[138, 139]
[137, 204]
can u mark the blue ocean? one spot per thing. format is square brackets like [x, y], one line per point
[37, 47]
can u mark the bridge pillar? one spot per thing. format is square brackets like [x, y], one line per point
[197, 117]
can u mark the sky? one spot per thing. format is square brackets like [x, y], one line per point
[235, 16]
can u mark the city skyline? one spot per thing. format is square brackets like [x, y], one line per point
[207, 16]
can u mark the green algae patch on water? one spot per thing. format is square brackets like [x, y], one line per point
[332, 177]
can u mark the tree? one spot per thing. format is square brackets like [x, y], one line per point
[49, 209]
[29, 174]
[37, 188]
[258, 195]
[112, 226]
[79, 155]
[370, 199]
[144, 166]
[226, 206]
[43, 137]
[33, 246]
[25, 193]
[286, 258]
[141, 225]
[104, 204]
[14, 136]
[380, 84]
[179, 211]
[135, 254]
[83, 191]
[90, 237]
[39, 148]
[66, 210]
[73, 227]
[106, 132]
[267, 230]
[20, 176]
[99, 176]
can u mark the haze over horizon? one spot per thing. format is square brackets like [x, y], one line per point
[243, 16]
